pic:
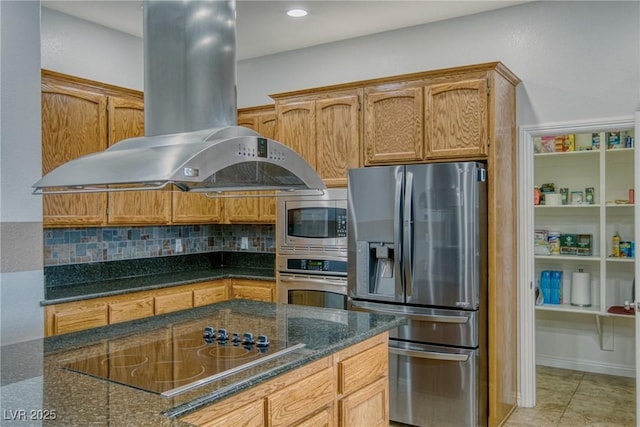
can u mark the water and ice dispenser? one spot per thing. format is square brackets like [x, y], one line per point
[376, 266]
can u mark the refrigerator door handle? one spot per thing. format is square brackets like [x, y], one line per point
[397, 233]
[407, 227]
[429, 355]
[413, 316]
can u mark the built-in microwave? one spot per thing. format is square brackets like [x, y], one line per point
[313, 223]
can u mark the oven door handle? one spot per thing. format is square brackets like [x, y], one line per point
[434, 355]
[309, 280]
[413, 316]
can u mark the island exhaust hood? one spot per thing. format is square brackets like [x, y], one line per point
[191, 139]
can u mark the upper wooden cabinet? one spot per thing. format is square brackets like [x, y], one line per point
[437, 118]
[74, 123]
[81, 117]
[262, 119]
[393, 124]
[456, 121]
[324, 128]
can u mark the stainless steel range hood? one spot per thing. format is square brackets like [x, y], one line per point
[191, 139]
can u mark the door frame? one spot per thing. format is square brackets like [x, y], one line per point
[526, 225]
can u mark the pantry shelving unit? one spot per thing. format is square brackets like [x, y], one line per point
[610, 171]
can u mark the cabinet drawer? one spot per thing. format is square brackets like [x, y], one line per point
[166, 303]
[80, 319]
[254, 290]
[367, 407]
[210, 293]
[122, 311]
[362, 369]
[298, 400]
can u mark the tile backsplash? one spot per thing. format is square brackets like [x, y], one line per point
[64, 246]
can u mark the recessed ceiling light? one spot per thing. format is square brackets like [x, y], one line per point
[297, 13]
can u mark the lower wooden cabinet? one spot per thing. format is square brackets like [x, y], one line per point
[259, 290]
[312, 396]
[81, 315]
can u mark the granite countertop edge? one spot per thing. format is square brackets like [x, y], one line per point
[107, 288]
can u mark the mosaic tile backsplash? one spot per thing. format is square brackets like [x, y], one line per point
[64, 246]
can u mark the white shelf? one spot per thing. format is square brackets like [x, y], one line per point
[569, 258]
[568, 308]
[610, 172]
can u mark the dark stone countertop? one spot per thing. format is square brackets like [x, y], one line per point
[87, 281]
[35, 384]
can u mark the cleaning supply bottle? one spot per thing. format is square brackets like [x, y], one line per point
[615, 245]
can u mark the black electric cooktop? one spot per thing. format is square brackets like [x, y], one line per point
[174, 360]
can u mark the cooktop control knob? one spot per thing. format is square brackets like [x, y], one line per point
[222, 335]
[262, 341]
[235, 338]
[209, 332]
[247, 339]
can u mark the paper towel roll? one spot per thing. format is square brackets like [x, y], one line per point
[581, 289]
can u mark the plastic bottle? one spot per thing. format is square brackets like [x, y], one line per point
[615, 245]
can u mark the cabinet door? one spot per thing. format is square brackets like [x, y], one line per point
[267, 124]
[126, 120]
[260, 290]
[130, 308]
[78, 317]
[243, 209]
[296, 127]
[456, 119]
[194, 208]
[173, 300]
[366, 407]
[74, 124]
[337, 138]
[393, 120]
[210, 292]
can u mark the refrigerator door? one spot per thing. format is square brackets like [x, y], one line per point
[435, 386]
[374, 209]
[460, 328]
[445, 246]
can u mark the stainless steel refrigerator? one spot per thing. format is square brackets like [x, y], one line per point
[417, 246]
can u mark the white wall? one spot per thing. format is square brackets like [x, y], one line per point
[577, 60]
[21, 273]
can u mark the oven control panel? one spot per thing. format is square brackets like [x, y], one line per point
[341, 225]
[317, 265]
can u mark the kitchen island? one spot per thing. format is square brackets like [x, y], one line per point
[71, 379]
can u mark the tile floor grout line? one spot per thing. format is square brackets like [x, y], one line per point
[570, 399]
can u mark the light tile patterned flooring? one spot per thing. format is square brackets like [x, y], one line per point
[566, 398]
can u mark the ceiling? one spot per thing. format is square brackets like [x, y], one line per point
[263, 27]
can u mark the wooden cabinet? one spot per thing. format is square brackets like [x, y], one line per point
[194, 208]
[87, 314]
[81, 117]
[436, 118]
[261, 290]
[324, 129]
[210, 292]
[138, 307]
[394, 126]
[74, 123]
[76, 316]
[456, 118]
[309, 396]
[262, 119]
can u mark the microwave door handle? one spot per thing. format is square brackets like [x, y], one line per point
[434, 355]
[407, 226]
[397, 232]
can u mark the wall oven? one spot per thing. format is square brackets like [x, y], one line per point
[319, 282]
[313, 223]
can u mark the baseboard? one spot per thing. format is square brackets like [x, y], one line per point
[587, 366]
